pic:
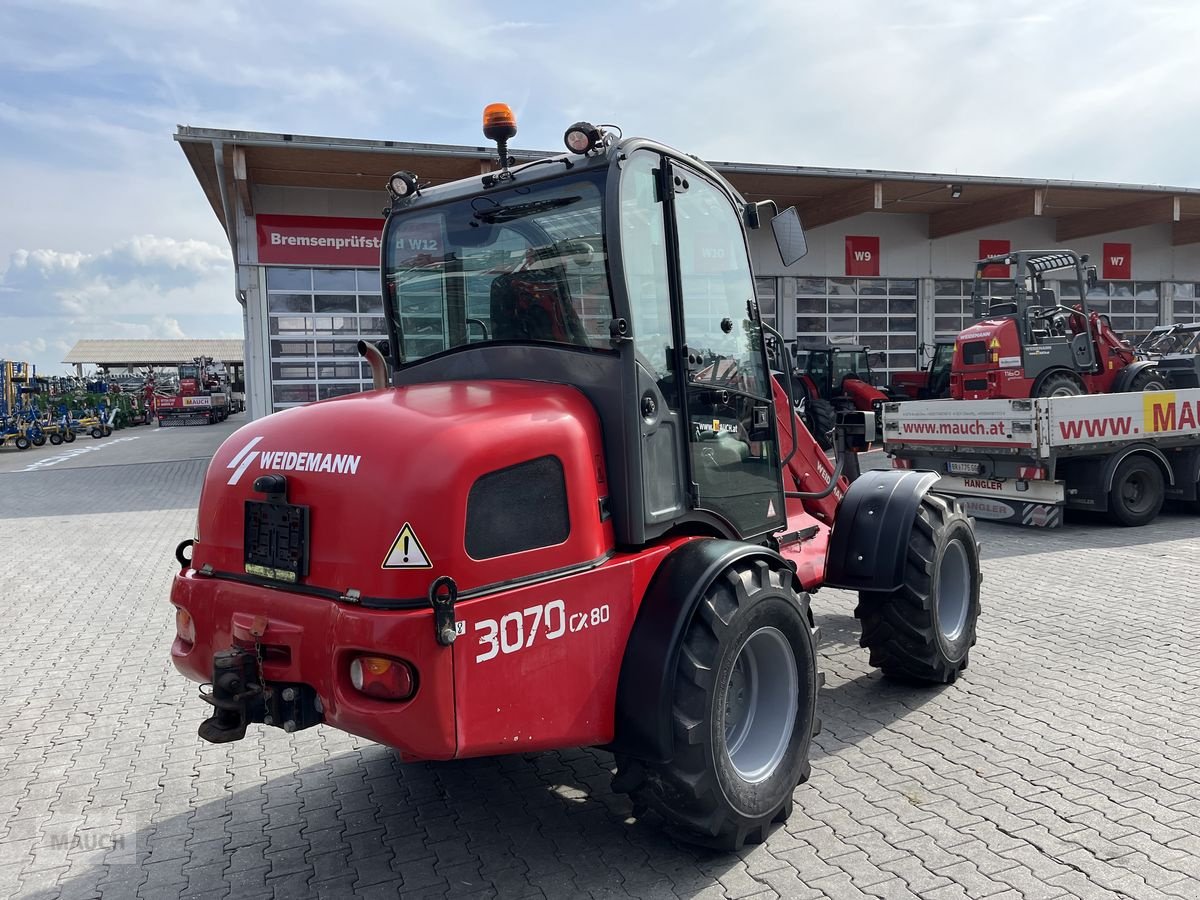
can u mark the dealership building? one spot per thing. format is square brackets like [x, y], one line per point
[889, 267]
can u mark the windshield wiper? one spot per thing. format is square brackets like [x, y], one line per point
[512, 212]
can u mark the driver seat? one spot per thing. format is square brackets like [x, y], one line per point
[528, 305]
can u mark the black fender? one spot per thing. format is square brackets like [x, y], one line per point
[1111, 464]
[1125, 377]
[646, 687]
[869, 543]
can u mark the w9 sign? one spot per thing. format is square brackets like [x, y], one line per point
[862, 255]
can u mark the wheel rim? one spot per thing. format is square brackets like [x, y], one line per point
[1064, 390]
[953, 591]
[761, 697]
[1135, 492]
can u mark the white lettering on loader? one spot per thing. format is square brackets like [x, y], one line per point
[290, 461]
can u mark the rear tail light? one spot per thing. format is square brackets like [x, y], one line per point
[381, 677]
[185, 626]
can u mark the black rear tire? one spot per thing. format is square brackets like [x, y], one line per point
[56, 439]
[924, 630]
[21, 442]
[737, 757]
[39, 440]
[1060, 384]
[97, 432]
[1137, 493]
[69, 437]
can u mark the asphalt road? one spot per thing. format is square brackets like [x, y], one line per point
[1065, 762]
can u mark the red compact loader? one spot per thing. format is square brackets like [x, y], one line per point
[576, 510]
[1033, 346]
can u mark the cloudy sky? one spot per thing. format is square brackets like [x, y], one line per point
[105, 233]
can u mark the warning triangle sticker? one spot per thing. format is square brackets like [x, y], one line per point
[770, 508]
[407, 552]
[994, 344]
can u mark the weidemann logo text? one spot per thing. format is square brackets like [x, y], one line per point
[290, 461]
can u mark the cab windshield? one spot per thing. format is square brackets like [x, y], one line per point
[525, 264]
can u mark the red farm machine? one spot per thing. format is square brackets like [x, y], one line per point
[835, 379]
[203, 396]
[930, 383]
[1034, 346]
[576, 510]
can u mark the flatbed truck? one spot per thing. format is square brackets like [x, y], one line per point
[1026, 460]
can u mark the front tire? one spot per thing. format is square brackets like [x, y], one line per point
[744, 713]
[1148, 380]
[1137, 493]
[924, 630]
[56, 439]
[38, 440]
[69, 437]
[21, 442]
[821, 419]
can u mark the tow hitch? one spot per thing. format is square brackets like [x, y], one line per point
[240, 696]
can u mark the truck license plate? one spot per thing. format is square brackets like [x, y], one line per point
[276, 540]
[955, 467]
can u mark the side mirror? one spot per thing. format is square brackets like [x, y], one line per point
[789, 236]
[1092, 281]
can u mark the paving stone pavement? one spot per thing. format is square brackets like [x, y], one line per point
[1065, 763]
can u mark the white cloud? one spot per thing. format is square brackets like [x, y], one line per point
[146, 286]
[119, 279]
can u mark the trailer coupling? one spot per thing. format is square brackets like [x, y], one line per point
[240, 695]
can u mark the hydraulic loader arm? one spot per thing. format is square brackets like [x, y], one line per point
[808, 469]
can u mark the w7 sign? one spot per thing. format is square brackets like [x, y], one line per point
[1118, 262]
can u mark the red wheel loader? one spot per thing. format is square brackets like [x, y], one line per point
[576, 510]
[1033, 346]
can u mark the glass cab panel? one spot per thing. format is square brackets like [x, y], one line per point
[735, 464]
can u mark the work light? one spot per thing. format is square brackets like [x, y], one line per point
[402, 184]
[581, 137]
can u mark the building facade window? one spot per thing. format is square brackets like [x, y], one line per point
[316, 316]
[878, 313]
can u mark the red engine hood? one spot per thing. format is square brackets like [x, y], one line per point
[370, 464]
[999, 337]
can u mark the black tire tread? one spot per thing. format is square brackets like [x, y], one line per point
[900, 629]
[820, 419]
[1046, 388]
[1144, 377]
[685, 792]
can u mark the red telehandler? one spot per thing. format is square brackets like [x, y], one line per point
[576, 510]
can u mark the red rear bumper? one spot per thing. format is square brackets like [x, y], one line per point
[312, 641]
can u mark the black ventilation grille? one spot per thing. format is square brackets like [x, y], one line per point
[519, 508]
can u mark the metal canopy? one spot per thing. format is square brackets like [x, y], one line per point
[952, 203]
[134, 353]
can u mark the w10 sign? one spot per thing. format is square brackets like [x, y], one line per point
[1118, 262]
[862, 255]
